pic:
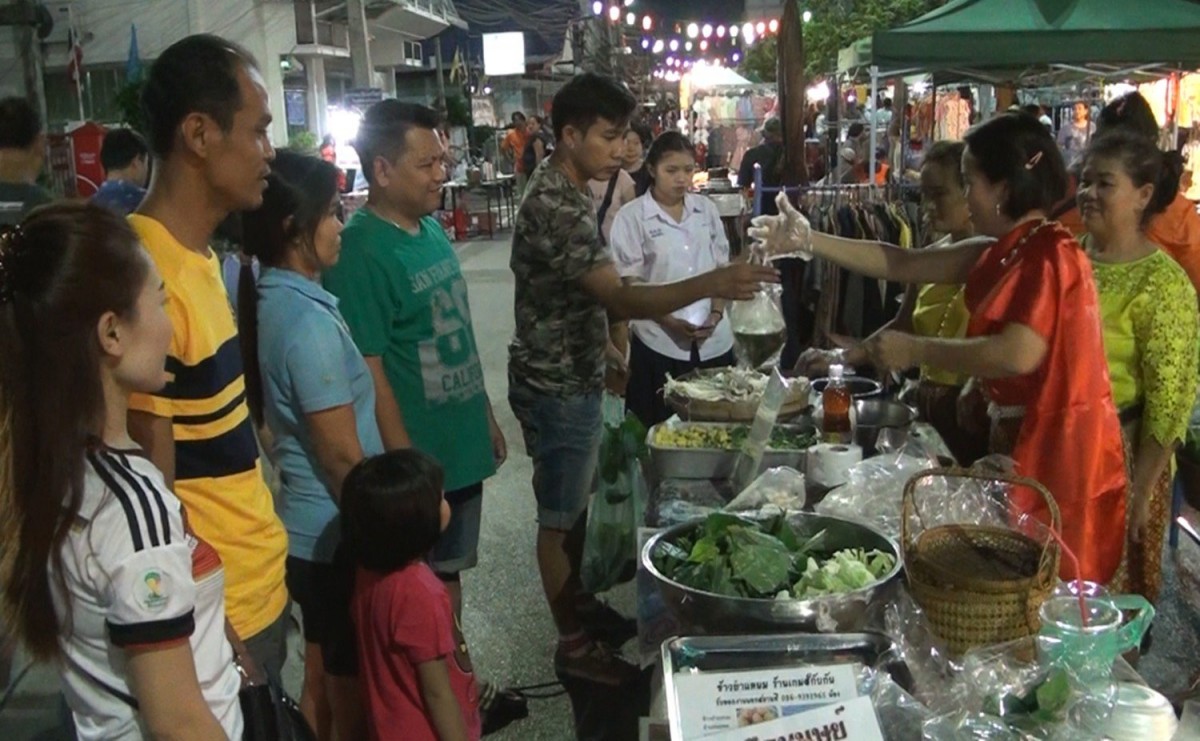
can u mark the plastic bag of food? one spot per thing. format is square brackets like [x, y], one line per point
[781, 488]
[618, 503]
[872, 492]
[759, 330]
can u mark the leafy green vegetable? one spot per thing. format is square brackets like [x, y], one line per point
[1042, 703]
[759, 560]
[738, 557]
[622, 445]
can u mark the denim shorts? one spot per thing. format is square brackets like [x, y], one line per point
[562, 436]
[457, 548]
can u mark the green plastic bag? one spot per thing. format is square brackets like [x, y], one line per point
[618, 502]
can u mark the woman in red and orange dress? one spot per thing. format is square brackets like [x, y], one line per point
[1034, 342]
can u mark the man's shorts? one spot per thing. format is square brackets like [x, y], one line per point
[562, 436]
[458, 547]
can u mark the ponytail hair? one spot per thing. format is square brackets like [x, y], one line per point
[1144, 163]
[64, 267]
[299, 191]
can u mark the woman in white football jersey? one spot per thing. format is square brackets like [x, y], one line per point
[99, 570]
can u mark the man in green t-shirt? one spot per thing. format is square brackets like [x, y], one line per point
[401, 290]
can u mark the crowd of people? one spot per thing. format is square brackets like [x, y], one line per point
[146, 554]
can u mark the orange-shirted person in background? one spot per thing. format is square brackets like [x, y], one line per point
[514, 146]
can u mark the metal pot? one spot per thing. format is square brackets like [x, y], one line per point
[859, 387]
[873, 415]
[704, 612]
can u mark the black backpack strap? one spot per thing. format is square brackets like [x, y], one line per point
[606, 203]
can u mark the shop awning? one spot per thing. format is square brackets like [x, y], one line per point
[1014, 38]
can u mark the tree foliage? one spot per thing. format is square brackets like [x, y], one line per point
[835, 25]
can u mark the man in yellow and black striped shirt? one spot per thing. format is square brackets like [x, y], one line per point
[208, 115]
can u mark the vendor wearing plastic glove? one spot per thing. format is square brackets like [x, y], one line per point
[933, 310]
[666, 235]
[1034, 336]
[1148, 311]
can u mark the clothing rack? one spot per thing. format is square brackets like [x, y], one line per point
[855, 191]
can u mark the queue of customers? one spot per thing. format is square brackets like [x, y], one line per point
[143, 549]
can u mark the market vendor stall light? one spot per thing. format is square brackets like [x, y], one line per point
[645, 43]
[693, 30]
[628, 3]
[343, 124]
[773, 26]
[748, 29]
[614, 13]
[706, 31]
[720, 32]
[818, 92]
[807, 16]
[688, 46]
[658, 46]
[761, 28]
[704, 45]
[597, 7]
[674, 45]
[647, 23]
[736, 57]
[733, 31]
[630, 19]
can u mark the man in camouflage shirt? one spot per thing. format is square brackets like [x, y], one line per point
[567, 287]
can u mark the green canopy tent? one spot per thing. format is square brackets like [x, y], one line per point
[1035, 42]
[1110, 37]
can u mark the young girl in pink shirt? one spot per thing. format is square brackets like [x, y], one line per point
[413, 661]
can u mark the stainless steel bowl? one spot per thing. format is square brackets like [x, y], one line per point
[860, 388]
[873, 415]
[703, 612]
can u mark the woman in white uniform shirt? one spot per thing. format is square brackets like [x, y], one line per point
[666, 235]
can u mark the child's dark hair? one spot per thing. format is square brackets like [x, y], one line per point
[392, 509]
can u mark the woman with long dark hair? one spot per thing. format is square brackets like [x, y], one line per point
[307, 382]
[1148, 310]
[666, 235]
[99, 571]
[1033, 342]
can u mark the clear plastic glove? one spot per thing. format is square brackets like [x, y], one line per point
[785, 235]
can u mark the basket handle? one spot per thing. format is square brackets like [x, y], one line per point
[909, 504]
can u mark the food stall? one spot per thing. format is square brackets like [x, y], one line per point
[880, 608]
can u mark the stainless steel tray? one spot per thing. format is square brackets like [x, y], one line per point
[736, 653]
[711, 463]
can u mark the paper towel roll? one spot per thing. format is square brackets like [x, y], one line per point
[829, 464]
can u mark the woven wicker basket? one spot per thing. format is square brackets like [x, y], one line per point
[978, 585]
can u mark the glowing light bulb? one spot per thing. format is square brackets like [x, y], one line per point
[706, 31]
[773, 26]
[597, 7]
[614, 13]
[647, 24]
[674, 44]
[693, 30]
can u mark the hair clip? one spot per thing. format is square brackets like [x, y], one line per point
[1032, 163]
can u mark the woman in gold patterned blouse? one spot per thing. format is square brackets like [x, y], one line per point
[932, 310]
[1148, 310]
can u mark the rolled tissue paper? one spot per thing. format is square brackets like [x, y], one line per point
[830, 464]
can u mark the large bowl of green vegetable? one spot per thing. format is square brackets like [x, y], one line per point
[801, 572]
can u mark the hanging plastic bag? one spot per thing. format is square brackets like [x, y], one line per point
[618, 503]
[759, 331]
